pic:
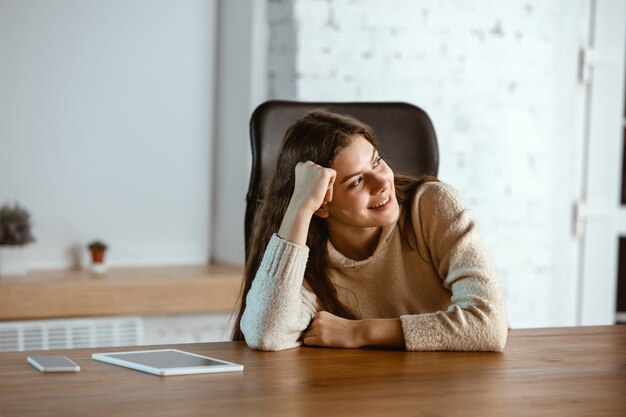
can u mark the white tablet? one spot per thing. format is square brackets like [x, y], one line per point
[167, 362]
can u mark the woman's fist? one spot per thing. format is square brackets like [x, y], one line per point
[314, 186]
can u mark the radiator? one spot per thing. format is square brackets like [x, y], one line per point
[70, 333]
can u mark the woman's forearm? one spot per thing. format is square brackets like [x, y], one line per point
[381, 332]
[295, 225]
[277, 308]
[328, 330]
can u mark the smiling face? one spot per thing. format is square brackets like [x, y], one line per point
[364, 194]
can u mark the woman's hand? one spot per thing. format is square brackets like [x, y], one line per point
[313, 188]
[328, 330]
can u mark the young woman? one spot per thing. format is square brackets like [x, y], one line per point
[345, 254]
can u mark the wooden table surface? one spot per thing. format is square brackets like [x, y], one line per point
[543, 372]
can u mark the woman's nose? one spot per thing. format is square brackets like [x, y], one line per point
[379, 184]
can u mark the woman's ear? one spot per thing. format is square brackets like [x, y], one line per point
[321, 212]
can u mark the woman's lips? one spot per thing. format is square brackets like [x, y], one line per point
[382, 204]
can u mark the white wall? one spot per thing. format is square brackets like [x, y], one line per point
[241, 86]
[106, 120]
[499, 80]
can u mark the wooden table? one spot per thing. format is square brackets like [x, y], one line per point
[543, 372]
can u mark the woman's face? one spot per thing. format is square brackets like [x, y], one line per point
[363, 193]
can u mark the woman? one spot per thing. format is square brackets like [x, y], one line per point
[345, 254]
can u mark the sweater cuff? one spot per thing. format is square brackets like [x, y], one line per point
[420, 335]
[284, 259]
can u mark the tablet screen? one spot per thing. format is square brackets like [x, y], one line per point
[166, 359]
[167, 362]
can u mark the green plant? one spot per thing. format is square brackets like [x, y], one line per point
[97, 245]
[15, 227]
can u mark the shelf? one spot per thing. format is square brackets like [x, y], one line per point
[120, 291]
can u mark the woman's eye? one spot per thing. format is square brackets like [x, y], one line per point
[378, 161]
[356, 182]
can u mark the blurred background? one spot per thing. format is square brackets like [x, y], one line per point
[128, 121]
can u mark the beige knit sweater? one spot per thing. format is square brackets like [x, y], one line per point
[445, 291]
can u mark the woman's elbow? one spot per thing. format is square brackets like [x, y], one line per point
[259, 340]
[498, 339]
[497, 334]
[251, 329]
[263, 333]
[254, 337]
[490, 330]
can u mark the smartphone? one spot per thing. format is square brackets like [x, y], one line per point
[53, 363]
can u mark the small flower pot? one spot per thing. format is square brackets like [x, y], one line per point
[97, 256]
[97, 260]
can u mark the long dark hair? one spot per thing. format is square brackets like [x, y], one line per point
[317, 136]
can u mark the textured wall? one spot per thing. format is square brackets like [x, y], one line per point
[499, 80]
[105, 127]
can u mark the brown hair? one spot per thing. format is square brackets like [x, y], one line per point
[317, 136]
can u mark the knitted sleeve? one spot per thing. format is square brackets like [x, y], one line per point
[476, 317]
[278, 307]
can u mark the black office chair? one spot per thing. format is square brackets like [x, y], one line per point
[406, 139]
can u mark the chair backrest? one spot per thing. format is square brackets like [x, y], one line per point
[405, 134]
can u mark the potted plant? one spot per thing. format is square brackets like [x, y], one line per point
[98, 250]
[15, 233]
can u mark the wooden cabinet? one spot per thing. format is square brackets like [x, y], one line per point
[123, 291]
